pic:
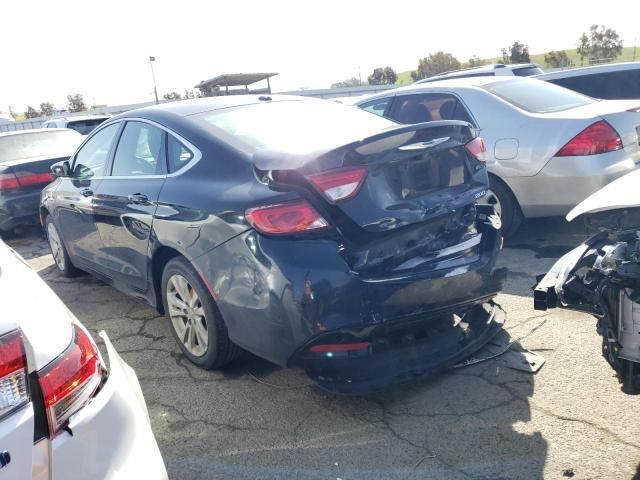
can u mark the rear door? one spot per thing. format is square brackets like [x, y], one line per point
[125, 202]
[74, 196]
[16, 411]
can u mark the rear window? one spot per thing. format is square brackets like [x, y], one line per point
[527, 71]
[296, 126]
[537, 96]
[85, 126]
[38, 144]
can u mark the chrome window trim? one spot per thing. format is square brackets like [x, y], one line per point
[197, 155]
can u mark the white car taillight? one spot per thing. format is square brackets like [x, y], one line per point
[14, 392]
[70, 381]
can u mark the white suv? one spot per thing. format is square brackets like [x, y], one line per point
[497, 69]
[83, 124]
[63, 413]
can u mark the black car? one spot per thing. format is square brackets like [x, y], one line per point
[25, 160]
[310, 233]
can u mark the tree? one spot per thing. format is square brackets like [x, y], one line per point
[76, 102]
[172, 96]
[47, 108]
[557, 59]
[383, 76]
[349, 82]
[32, 113]
[516, 53]
[476, 62]
[435, 63]
[602, 44]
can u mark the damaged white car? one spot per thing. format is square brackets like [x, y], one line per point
[602, 275]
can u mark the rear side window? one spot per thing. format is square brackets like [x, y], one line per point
[91, 159]
[378, 106]
[428, 107]
[178, 155]
[608, 85]
[537, 96]
[527, 71]
[139, 151]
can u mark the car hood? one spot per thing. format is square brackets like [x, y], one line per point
[621, 193]
[28, 302]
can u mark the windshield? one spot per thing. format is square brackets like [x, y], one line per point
[55, 143]
[298, 126]
[85, 126]
[537, 96]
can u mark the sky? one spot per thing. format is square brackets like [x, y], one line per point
[101, 49]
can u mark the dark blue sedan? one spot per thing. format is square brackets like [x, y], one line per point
[310, 233]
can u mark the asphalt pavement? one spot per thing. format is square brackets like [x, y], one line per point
[254, 420]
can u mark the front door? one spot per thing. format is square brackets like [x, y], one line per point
[125, 203]
[75, 195]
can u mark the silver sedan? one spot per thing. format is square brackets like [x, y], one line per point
[548, 148]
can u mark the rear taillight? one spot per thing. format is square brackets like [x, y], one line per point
[477, 149]
[70, 381]
[599, 137]
[27, 179]
[14, 392]
[285, 218]
[8, 181]
[340, 184]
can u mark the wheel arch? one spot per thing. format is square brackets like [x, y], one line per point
[160, 258]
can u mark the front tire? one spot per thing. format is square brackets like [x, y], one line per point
[195, 320]
[58, 250]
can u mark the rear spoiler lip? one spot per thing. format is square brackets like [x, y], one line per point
[267, 160]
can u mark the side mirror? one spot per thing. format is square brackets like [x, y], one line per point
[61, 169]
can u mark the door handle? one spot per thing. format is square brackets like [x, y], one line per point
[138, 198]
[86, 192]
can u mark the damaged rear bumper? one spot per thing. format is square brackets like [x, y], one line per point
[400, 352]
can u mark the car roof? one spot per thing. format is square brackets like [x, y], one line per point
[185, 108]
[34, 130]
[591, 70]
[478, 70]
[445, 84]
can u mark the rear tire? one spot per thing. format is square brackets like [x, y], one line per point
[510, 213]
[58, 250]
[195, 320]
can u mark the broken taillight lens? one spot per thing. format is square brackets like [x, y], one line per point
[285, 218]
[477, 149]
[70, 381]
[14, 392]
[338, 185]
[599, 137]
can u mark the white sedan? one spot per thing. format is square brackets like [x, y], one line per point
[548, 148]
[64, 414]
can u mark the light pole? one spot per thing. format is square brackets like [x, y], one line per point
[153, 75]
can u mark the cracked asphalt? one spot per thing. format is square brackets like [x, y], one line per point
[257, 421]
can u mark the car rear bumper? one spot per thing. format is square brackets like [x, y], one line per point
[112, 435]
[566, 181]
[19, 209]
[401, 352]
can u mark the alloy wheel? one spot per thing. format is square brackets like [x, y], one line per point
[56, 245]
[187, 315]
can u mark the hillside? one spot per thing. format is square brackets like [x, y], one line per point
[404, 78]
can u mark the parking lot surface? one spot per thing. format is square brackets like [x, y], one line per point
[255, 420]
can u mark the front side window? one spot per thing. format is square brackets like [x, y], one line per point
[428, 107]
[139, 151]
[378, 106]
[92, 158]
[178, 156]
[537, 96]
